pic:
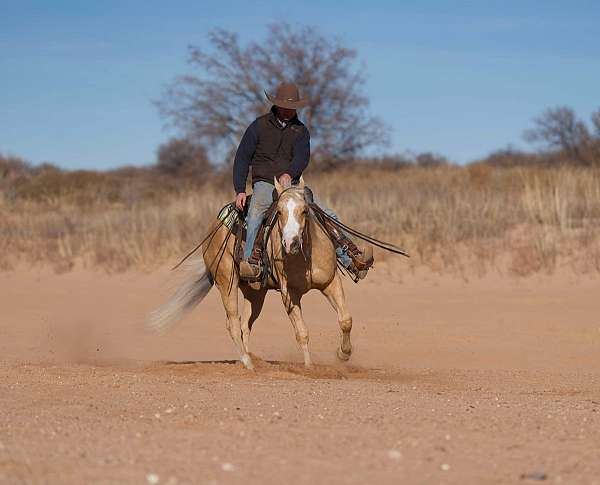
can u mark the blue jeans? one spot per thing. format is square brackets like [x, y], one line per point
[262, 197]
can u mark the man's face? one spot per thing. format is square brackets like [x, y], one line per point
[285, 114]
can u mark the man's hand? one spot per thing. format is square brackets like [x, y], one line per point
[285, 180]
[240, 200]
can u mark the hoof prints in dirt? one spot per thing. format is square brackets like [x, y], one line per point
[276, 369]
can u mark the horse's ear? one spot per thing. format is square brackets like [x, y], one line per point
[308, 195]
[278, 186]
[301, 182]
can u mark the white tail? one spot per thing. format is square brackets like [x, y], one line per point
[195, 284]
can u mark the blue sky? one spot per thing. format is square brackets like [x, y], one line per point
[77, 79]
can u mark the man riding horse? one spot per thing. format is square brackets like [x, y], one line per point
[303, 246]
[277, 145]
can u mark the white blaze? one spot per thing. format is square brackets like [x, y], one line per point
[292, 227]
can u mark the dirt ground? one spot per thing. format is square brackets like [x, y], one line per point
[491, 380]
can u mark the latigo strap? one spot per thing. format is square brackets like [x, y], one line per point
[327, 221]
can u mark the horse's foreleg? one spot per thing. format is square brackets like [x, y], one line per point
[335, 295]
[291, 300]
[253, 303]
[230, 302]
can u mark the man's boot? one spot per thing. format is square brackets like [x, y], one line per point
[251, 270]
[362, 260]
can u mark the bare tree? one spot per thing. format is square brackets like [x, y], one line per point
[510, 156]
[216, 103]
[180, 157]
[13, 167]
[559, 129]
[430, 160]
[594, 145]
[596, 123]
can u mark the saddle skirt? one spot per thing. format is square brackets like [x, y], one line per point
[235, 221]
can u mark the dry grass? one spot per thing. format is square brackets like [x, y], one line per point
[459, 219]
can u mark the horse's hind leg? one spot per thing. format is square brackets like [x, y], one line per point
[253, 303]
[335, 294]
[230, 302]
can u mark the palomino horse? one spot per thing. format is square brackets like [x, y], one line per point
[303, 258]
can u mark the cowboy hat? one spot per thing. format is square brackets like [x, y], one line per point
[287, 96]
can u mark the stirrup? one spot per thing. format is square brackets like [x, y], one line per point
[250, 271]
[357, 274]
[362, 257]
[361, 263]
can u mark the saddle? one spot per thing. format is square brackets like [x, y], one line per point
[235, 221]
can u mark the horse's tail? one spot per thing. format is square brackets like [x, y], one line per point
[195, 284]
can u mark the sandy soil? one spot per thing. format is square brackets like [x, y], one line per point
[492, 380]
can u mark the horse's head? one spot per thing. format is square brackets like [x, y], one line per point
[292, 214]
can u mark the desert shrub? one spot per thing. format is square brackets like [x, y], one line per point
[450, 218]
[181, 158]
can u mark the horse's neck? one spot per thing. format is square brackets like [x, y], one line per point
[318, 236]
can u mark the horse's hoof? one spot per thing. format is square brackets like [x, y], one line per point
[247, 361]
[343, 355]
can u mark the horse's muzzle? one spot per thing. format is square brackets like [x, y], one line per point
[291, 246]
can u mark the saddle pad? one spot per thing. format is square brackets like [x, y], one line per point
[229, 215]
